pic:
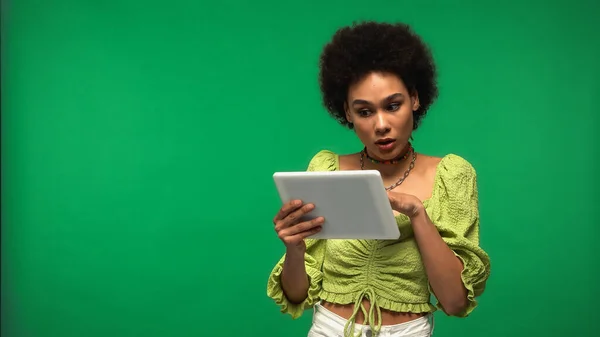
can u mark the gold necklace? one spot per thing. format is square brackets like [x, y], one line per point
[401, 180]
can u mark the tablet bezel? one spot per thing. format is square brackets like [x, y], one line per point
[354, 203]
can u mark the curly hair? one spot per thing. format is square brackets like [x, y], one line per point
[362, 48]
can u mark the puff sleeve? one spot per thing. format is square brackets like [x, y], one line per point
[313, 258]
[457, 220]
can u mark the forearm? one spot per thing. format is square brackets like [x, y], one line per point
[442, 266]
[294, 279]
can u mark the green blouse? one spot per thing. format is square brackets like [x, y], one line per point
[390, 273]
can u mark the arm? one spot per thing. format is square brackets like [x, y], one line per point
[448, 237]
[443, 267]
[294, 279]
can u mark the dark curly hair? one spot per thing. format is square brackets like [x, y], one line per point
[365, 47]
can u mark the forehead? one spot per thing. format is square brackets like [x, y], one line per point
[377, 85]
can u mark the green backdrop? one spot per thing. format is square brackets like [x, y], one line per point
[139, 139]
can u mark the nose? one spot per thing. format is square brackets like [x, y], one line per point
[381, 124]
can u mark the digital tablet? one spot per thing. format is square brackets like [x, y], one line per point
[354, 203]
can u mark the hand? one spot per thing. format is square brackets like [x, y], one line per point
[406, 204]
[289, 228]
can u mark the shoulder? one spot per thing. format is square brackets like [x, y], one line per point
[455, 166]
[456, 176]
[324, 160]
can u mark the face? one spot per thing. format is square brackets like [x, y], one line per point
[381, 109]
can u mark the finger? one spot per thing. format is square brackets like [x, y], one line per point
[308, 233]
[303, 227]
[302, 235]
[286, 209]
[390, 196]
[313, 231]
[393, 200]
[294, 216]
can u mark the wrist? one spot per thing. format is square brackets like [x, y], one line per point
[419, 213]
[295, 253]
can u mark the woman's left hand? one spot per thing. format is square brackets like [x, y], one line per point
[406, 204]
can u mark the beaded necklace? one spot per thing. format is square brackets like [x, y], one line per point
[364, 154]
[391, 161]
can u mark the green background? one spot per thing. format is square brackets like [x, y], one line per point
[139, 139]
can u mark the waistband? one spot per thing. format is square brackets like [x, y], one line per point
[417, 326]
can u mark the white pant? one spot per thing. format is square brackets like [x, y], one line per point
[328, 324]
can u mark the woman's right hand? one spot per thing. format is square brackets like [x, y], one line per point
[289, 228]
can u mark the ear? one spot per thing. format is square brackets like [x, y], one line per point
[347, 110]
[415, 100]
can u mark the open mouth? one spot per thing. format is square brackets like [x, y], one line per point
[386, 141]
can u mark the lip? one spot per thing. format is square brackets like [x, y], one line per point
[386, 144]
[384, 141]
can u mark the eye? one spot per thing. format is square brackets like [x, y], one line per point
[364, 112]
[393, 107]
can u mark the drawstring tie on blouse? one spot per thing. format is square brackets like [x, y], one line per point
[358, 305]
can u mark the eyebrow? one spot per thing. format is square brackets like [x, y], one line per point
[390, 97]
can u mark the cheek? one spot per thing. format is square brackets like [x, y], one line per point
[403, 125]
[406, 122]
[409, 124]
[362, 131]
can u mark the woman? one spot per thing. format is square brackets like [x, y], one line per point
[379, 80]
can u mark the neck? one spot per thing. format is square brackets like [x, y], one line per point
[390, 168]
[406, 152]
